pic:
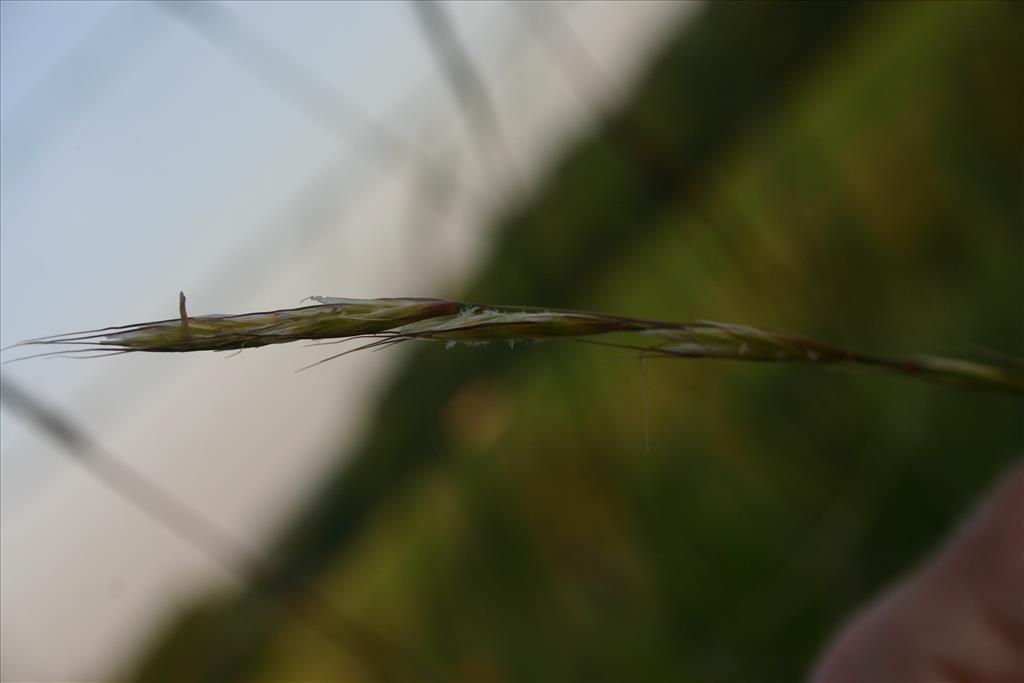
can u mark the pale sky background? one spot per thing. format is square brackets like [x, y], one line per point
[140, 156]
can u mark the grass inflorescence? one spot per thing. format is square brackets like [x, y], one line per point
[385, 322]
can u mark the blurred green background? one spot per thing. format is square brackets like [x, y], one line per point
[851, 172]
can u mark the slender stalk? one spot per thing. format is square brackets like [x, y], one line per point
[385, 322]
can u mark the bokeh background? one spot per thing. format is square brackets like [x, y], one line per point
[849, 171]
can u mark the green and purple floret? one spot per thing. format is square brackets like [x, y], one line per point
[390, 321]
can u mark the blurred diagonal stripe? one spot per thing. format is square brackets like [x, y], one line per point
[555, 35]
[468, 87]
[318, 100]
[84, 77]
[194, 528]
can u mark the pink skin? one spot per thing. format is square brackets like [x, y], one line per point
[958, 619]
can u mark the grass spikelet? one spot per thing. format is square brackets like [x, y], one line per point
[385, 322]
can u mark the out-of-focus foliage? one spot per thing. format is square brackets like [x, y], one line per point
[851, 172]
